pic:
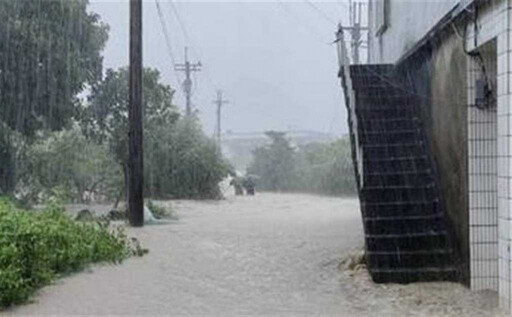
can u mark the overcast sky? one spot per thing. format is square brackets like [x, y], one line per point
[273, 60]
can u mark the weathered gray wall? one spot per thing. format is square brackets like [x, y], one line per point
[448, 129]
[439, 74]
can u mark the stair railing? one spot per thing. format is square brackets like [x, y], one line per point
[350, 103]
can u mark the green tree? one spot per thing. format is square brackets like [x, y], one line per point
[325, 168]
[179, 160]
[106, 118]
[274, 163]
[189, 164]
[322, 168]
[50, 51]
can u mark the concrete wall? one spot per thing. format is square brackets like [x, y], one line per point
[409, 21]
[438, 73]
[448, 130]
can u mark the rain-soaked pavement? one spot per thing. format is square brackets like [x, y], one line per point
[268, 255]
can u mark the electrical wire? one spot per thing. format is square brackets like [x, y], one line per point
[344, 4]
[321, 12]
[195, 49]
[180, 23]
[168, 44]
[306, 26]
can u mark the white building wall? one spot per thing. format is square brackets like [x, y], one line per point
[489, 132]
[408, 21]
[483, 193]
[491, 223]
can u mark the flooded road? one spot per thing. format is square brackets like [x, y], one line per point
[268, 255]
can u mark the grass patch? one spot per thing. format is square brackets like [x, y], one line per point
[37, 247]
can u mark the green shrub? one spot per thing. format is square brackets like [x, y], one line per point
[36, 247]
[157, 211]
[70, 163]
[161, 212]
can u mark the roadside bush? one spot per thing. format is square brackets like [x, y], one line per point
[161, 212]
[73, 163]
[36, 247]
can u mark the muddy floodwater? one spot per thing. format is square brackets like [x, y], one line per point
[268, 255]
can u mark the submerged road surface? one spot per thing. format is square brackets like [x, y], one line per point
[268, 255]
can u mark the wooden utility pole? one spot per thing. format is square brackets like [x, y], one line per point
[188, 68]
[219, 102]
[135, 135]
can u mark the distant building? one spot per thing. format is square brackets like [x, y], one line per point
[451, 59]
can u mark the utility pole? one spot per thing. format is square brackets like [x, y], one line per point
[356, 29]
[188, 68]
[219, 102]
[135, 134]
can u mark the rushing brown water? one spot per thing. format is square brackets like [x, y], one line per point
[268, 255]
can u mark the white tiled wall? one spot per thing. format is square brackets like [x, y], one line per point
[490, 161]
[483, 198]
[504, 155]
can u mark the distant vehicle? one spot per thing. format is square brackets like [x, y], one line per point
[249, 183]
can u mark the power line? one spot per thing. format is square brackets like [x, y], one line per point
[191, 44]
[167, 41]
[344, 4]
[180, 22]
[186, 67]
[321, 12]
[305, 26]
